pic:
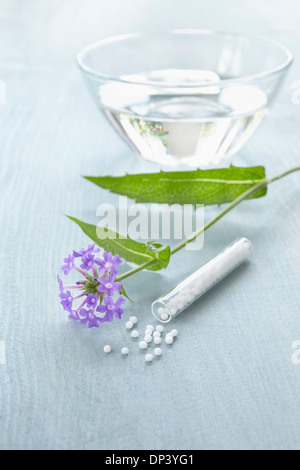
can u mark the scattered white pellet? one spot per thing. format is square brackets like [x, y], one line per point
[169, 339]
[157, 340]
[174, 333]
[107, 348]
[150, 327]
[160, 328]
[148, 332]
[157, 351]
[148, 338]
[160, 311]
[124, 351]
[129, 325]
[164, 316]
[143, 345]
[135, 334]
[156, 334]
[133, 320]
[149, 357]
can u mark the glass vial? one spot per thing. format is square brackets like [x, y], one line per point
[174, 302]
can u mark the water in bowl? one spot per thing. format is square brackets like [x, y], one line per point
[194, 125]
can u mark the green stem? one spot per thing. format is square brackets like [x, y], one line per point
[282, 175]
[231, 206]
[137, 269]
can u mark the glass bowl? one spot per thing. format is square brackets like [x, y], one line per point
[185, 96]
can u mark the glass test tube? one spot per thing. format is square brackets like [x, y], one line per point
[168, 306]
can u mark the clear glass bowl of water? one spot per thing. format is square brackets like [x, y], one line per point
[185, 96]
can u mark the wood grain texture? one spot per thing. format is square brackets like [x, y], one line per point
[228, 382]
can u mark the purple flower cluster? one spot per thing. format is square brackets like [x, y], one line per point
[96, 291]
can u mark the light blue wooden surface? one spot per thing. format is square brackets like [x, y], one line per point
[229, 381]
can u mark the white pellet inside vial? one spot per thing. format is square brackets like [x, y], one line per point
[164, 316]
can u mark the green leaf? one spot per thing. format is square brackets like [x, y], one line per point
[160, 253]
[128, 249]
[217, 186]
[123, 291]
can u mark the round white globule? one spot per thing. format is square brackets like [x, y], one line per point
[135, 334]
[157, 340]
[125, 351]
[174, 332]
[195, 291]
[107, 348]
[156, 334]
[148, 338]
[143, 345]
[157, 351]
[160, 328]
[164, 316]
[169, 339]
[133, 320]
[149, 357]
[129, 325]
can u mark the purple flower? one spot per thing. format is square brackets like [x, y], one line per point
[91, 249]
[91, 300]
[74, 314]
[88, 262]
[60, 283]
[111, 308]
[90, 318]
[66, 300]
[92, 289]
[108, 285]
[66, 268]
[109, 263]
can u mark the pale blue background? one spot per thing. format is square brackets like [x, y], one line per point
[228, 382]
